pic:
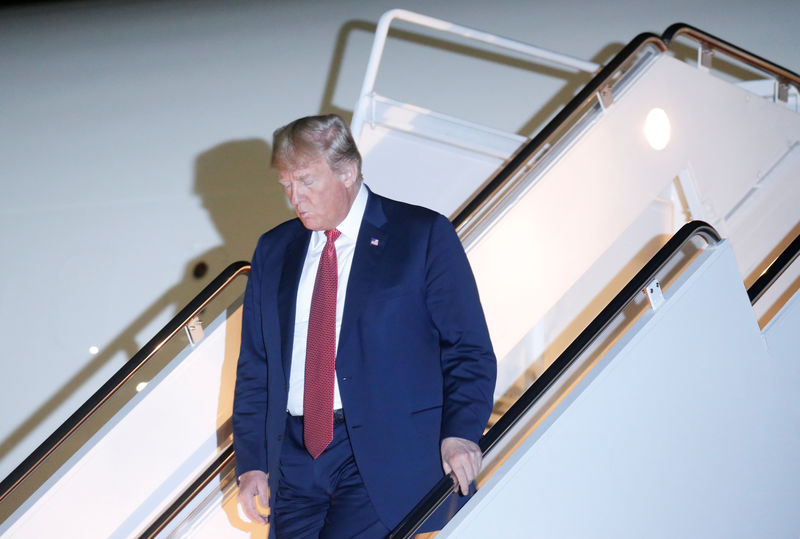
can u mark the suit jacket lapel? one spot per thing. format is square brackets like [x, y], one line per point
[370, 245]
[287, 295]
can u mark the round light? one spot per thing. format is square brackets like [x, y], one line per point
[93, 350]
[657, 129]
[140, 386]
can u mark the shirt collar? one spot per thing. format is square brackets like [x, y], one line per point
[352, 223]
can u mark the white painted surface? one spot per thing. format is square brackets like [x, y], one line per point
[681, 431]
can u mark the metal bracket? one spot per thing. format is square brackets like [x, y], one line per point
[783, 91]
[606, 97]
[194, 330]
[705, 55]
[654, 294]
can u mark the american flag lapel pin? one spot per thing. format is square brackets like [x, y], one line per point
[374, 242]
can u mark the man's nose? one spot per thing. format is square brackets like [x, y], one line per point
[294, 197]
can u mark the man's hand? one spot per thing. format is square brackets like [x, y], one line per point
[463, 458]
[252, 484]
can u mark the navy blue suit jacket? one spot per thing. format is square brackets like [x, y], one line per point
[414, 361]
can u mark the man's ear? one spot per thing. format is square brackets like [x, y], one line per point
[348, 175]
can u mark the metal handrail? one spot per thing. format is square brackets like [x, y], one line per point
[382, 31]
[444, 487]
[107, 390]
[715, 43]
[774, 270]
[224, 460]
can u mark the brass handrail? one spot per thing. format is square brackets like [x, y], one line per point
[224, 460]
[715, 43]
[131, 367]
[775, 269]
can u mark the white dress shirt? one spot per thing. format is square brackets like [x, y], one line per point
[345, 246]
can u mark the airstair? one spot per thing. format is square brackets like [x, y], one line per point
[636, 264]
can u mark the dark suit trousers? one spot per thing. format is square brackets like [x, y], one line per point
[325, 497]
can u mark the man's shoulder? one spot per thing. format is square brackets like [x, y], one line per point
[280, 235]
[404, 211]
[287, 231]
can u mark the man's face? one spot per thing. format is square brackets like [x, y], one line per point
[320, 197]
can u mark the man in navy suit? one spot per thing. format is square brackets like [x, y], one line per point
[404, 330]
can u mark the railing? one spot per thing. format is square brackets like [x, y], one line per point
[587, 337]
[382, 31]
[125, 373]
[774, 270]
[708, 44]
[223, 461]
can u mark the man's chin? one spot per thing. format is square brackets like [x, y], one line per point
[309, 223]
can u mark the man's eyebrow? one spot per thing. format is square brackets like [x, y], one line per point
[294, 176]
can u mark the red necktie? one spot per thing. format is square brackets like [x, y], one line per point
[321, 353]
